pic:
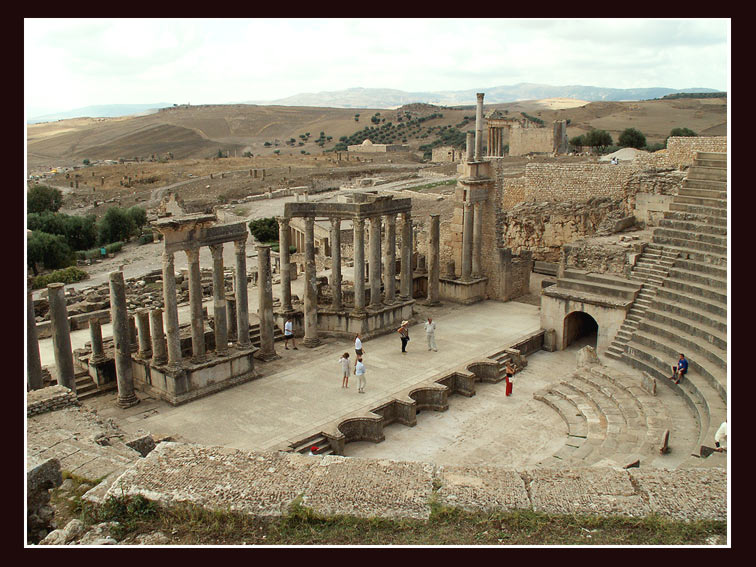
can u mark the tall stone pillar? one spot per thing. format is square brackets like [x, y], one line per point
[61, 335]
[159, 352]
[467, 230]
[283, 246]
[242, 305]
[219, 301]
[231, 316]
[265, 304]
[405, 280]
[171, 310]
[336, 263]
[310, 287]
[375, 262]
[143, 332]
[479, 128]
[95, 334]
[134, 346]
[195, 305]
[434, 257]
[121, 341]
[389, 263]
[470, 147]
[477, 238]
[33, 361]
[359, 264]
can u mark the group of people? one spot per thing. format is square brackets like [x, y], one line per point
[430, 335]
[359, 366]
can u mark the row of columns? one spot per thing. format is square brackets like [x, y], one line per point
[495, 142]
[472, 239]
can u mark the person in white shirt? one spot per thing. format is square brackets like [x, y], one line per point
[359, 371]
[344, 361]
[430, 334]
[289, 335]
[358, 346]
[720, 438]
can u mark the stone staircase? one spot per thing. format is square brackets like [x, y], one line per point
[688, 312]
[319, 440]
[254, 334]
[587, 284]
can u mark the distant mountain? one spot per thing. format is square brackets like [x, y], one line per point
[100, 111]
[391, 98]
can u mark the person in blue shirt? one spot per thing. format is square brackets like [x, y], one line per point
[681, 369]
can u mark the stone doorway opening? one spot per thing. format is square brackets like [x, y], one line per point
[580, 327]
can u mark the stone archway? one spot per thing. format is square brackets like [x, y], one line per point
[580, 326]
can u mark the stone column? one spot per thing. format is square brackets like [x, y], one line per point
[477, 239]
[121, 341]
[159, 353]
[95, 334]
[283, 246]
[375, 262]
[242, 305]
[143, 327]
[359, 264]
[33, 362]
[195, 305]
[310, 287]
[171, 310]
[470, 147]
[265, 304]
[61, 335]
[231, 316]
[434, 257]
[467, 241]
[134, 347]
[479, 128]
[336, 263]
[405, 281]
[389, 263]
[219, 301]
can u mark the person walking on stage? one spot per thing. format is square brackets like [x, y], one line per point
[289, 335]
[344, 361]
[404, 334]
[358, 346]
[359, 371]
[430, 334]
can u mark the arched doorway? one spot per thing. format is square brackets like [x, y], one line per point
[580, 329]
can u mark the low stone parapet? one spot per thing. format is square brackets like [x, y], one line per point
[49, 399]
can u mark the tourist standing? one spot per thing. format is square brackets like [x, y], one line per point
[509, 377]
[289, 334]
[404, 334]
[344, 361]
[358, 345]
[430, 334]
[359, 371]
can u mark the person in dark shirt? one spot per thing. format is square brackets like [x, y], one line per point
[681, 369]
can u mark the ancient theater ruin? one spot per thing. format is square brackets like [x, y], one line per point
[629, 267]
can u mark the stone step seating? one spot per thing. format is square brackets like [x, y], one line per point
[705, 291]
[693, 235]
[608, 416]
[706, 402]
[689, 242]
[703, 185]
[698, 209]
[714, 201]
[708, 172]
[720, 157]
[693, 226]
[719, 220]
[598, 284]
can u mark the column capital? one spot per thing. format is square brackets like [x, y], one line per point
[192, 254]
[480, 96]
[216, 250]
[283, 221]
[240, 245]
[335, 221]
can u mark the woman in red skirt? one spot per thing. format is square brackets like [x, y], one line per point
[509, 370]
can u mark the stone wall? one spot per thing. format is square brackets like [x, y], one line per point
[523, 141]
[681, 151]
[574, 182]
[596, 255]
[49, 399]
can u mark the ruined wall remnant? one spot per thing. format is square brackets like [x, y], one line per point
[597, 255]
[681, 151]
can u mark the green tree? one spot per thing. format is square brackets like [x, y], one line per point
[43, 198]
[50, 250]
[138, 215]
[632, 138]
[686, 132]
[116, 225]
[598, 139]
[85, 162]
[577, 141]
[264, 230]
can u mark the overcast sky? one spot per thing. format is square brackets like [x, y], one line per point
[84, 62]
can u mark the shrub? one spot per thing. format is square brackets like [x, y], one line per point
[264, 230]
[682, 132]
[632, 138]
[145, 238]
[655, 147]
[598, 139]
[117, 224]
[138, 215]
[43, 198]
[66, 276]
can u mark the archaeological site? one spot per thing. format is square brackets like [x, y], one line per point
[564, 292]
